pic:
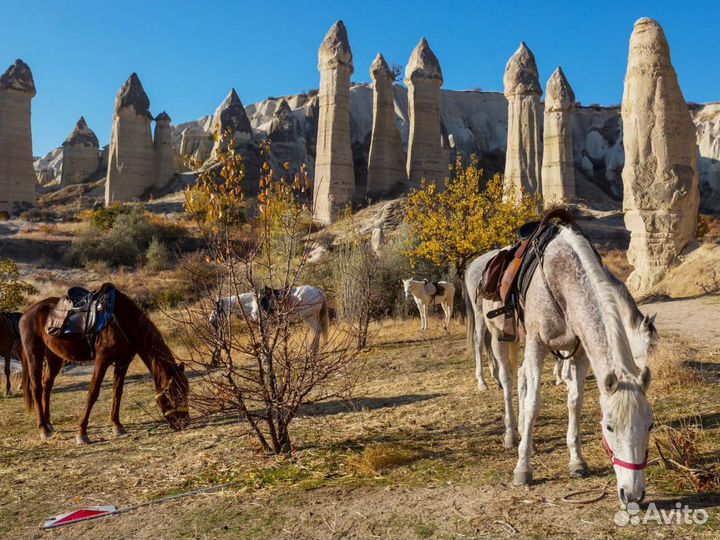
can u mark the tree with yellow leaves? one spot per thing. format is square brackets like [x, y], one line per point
[452, 226]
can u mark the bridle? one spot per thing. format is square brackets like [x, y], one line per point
[164, 392]
[619, 462]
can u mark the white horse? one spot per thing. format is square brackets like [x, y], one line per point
[424, 300]
[303, 303]
[573, 299]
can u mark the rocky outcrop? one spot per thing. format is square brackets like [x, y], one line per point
[386, 161]
[286, 136]
[522, 90]
[195, 143]
[334, 182]
[231, 117]
[164, 153]
[80, 154]
[661, 195]
[17, 176]
[558, 168]
[423, 77]
[132, 164]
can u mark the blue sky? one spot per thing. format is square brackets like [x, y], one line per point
[189, 54]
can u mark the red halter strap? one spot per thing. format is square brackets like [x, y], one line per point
[619, 462]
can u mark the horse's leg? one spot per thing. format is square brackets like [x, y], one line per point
[54, 365]
[535, 352]
[35, 359]
[501, 350]
[317, 330]
[8, 389]
[93, 393]
[448, 310]
[479, 337]
[118, 386]
[576, 393]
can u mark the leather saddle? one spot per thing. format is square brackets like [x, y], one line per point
[269, 297]
[507, 275]
[82, 312]
[433, 288]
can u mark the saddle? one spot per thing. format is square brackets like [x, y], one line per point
[81, 312]
[268, 298]
[433, 288]
[507, 275]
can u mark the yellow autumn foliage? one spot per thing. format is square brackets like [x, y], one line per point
[452, 226]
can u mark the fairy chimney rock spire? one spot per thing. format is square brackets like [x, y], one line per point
[423, 77]
[131, 163]
[231, 115]
[522, 90]
[661, 192]
[334, 183]
[17, 175]
[558, 169]
[81, 154]
[386, 162]
[165, 161]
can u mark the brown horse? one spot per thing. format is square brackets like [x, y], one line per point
[131, 332]
[9, 343]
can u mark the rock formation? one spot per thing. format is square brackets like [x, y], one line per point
[132, 164]
[17, 175]
[386, 162]
[558, 169]
[231, 116]
[286, 136]
[661, 194]
[522, 90]
[164, 153]
[196, 144]
[423, 77]
[80, 155]
[334, 182]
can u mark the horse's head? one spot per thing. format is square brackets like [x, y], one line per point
[172, 397]
[406, 287]
[644, 338]
[626, 423]
[216, 315]
[267, 299]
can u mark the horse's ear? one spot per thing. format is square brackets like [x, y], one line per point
[611, 382]
[651, 319]
[645, 378]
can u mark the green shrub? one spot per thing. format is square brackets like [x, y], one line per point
[158, 256]
[104, 218]
[168, 298]
[13, 290]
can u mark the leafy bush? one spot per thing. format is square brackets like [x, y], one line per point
[168, 298]
[104, 218]
[158, 256]
[126, 240]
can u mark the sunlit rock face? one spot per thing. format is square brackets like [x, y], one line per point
[524, 139]
[386, 161]
[17, 175]
[661, 192]
[558, 168]
[334, 183]
[423, 77]
[80, 154]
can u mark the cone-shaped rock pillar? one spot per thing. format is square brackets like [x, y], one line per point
[660, 178]
[423, 77]
[81, 154]
[558, 169]
[164, 153]
[334, 182]
[386, 162]
[522, 90]
[17, 175]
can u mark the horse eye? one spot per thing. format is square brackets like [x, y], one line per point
[609, 428]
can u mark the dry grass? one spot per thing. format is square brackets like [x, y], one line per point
[377, 459]
[680, 451]
[669, 367]
[617, 263]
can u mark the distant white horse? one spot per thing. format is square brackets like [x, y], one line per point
[445, 296]
[304, 303]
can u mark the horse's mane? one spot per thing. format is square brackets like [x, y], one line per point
[606, 291]
[624, 401]
[147, 340]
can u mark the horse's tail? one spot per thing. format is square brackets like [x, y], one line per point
[324, 318]
[25, 377]
[469, 320]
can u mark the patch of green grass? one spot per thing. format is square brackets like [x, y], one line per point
[424, 530]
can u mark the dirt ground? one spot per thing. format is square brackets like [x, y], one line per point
[419, 399]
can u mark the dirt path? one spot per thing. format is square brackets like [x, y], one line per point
[696, 320]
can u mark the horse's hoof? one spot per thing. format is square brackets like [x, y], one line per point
[579, 470]
[522, 478]
[82, 440]
[45, 435]
[119, 431]
[511, 441]
[482, 387]
[51, 428]
[8, 394]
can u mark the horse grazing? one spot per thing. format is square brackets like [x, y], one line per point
[443, 294]
[303, 303]
[129, 333]
[9, 343]
[573, 304]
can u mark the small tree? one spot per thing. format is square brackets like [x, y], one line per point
[453, 226]
[267, 367]
[13, 290]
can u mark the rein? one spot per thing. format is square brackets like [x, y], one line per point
[619, 462]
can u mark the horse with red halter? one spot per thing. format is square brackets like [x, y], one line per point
[130, 332]
[9, 343]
